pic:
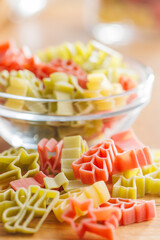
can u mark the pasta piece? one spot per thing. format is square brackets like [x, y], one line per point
[133, 211]
[17, 87]
[50, 164]
[96, 164]
[56, 182]
[156, 157]
[98, 81]
[63, 107]
[126, 140]
[132, 159]
[73, 148]
[74, 184]
[4, 76]
[98, 192]
[18, 166]
[129, 188]
[109, 219]
[7, 200]
[37, 180]
[31, 203]
[152, 182]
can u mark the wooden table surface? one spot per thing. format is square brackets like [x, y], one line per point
[60, 22]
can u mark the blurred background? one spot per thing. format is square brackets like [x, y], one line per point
[130, 26]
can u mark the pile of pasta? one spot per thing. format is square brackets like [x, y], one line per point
[77, 79]
[77, 182]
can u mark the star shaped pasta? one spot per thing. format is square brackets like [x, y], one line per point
[17, 166]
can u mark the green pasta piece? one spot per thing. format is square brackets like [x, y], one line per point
[64, 87]
[6, 201]
[59, 76]
[30, 203]
[4, 77]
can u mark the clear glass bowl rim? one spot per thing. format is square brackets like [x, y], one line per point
[31, 116]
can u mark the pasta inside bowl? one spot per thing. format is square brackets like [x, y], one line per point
[96, 98]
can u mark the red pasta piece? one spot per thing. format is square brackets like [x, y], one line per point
[127, 83]
[132, 159]
[23, 183]
[12, 58]
[126, 140]
[26, 182]
[133, 211]
[50, 164]
[108, 218]
[96, 164]
[39, 178]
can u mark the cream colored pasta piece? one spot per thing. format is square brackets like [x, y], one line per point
[73, 147]
[63, 107]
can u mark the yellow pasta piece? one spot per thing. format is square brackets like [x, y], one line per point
[98, 81]
[104, 105]
[59, 77]
[137, 182]
[63, 108]
[35, 107]
[56, 182]
[24, 83]
[64, 87]
[74, 184]
[73, 80]
[98, 192]
[73, 147]
[156, 157]
[129, 188]
[92, 94]
[153, 182]
[127, 174]
[84, 108]
[17, 87]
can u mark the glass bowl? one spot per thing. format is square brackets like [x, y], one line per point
[97, 118]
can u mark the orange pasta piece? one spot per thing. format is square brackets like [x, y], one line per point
[132, 159]
[96, 164]
[133, 211]
[126, 140]
[108, 217]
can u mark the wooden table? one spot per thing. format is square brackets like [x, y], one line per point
[60, 22]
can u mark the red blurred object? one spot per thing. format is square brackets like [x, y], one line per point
[126, 82]
[126, 140]
[12, 58]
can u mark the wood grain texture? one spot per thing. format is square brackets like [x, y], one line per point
[59, 22]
